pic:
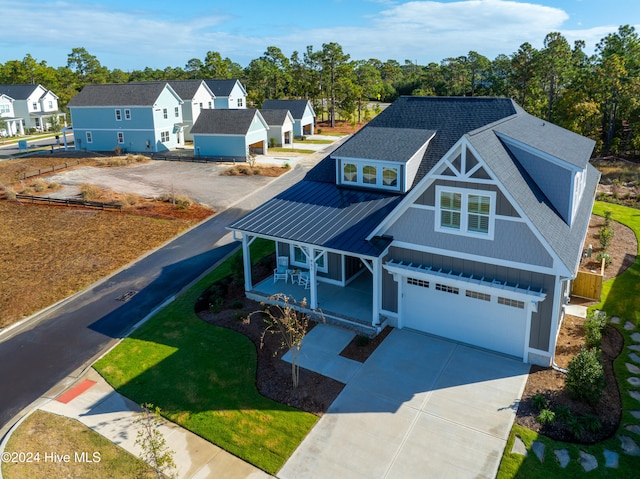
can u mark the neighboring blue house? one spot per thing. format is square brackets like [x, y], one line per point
[230, 134]
[460, 217]
[135, 117]
[280, 125]
[302, 113]
[229, 94]
[196, 96]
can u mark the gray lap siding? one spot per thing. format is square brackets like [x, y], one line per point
[541, 320]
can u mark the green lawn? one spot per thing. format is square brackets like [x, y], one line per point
[203, 378]
[619, 298]
[318, 142]
[283, 149]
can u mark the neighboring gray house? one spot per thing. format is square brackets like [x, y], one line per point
[196, 96]
[460, 217]
[302, 113]
[280, 125]
[13, 125]
[229, 94]
[34, 105]
[230, 133]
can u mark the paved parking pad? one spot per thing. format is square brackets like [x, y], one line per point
[419, 407]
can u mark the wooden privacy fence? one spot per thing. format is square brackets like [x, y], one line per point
[69, 202]
[42, 171]
[588, 285]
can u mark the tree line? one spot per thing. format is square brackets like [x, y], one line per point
[596, 95]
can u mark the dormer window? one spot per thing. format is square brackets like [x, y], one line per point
[365, 173]
[465, 212]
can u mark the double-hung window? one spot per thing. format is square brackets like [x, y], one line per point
[127, 114]
[299, 258]
[176, 111]
[467, 212]
[165, 114]
[118, 114]
[164, 136]
[120, 137]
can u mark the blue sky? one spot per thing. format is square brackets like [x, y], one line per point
[133, 34]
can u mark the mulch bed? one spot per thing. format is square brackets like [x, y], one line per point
[550, 383]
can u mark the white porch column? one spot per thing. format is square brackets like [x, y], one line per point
[377, 290]
[313, 300]
[246, 261]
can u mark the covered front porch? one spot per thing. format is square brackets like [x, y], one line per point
[350, 306]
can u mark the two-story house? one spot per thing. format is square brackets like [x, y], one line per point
[196, 96]
[36, 106]
[140, 117]
[460, 217]
[12, 125]
[229, 94]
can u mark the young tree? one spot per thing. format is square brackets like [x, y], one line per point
[285, 320]
[334, 67]
[155, 451]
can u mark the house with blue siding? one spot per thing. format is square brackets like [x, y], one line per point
[230, 134]
[196, 96]
[303, 114]
[131, 117]
[229, 94]
[464, 218]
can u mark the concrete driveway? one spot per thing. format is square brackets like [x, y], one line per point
[419, 407]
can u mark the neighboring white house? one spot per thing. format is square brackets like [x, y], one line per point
[12, 125]
[34, 105]
[229, 94]
[303, 114]
[197, 96]
[280, 125]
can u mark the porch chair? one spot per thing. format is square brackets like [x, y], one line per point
[304, 280]
[281, 271]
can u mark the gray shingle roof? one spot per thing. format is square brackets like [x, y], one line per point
[296, 107]
[390, 144]
[274, 117]
[224, 122]
[186, 89]
[119, 94]
[323, 215]
[221, 87]
[18, 92]
[450, 117]
[565, 240]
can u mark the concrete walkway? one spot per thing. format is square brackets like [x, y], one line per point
[95, 404]
[418, 407]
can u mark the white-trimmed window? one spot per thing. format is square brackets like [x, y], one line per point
[176, 111]
[89, 137]
[35, 106]
[514, 303]
[462, 211]
[120, 137]
[118, 114]
[165, 113]
[445, 288]
[50, 104]
[240, 103]
[370, 174]
[164, 136]
[127, 114]
[210, 105]
[350, 173]
[299, 258]
[5, 109]
[477, 295]
[418, 282]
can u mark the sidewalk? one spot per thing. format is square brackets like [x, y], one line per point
[94, 403]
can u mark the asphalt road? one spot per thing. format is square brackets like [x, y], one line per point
[39, 354]
[7, 150]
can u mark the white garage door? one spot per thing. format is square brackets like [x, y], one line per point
[490, 321]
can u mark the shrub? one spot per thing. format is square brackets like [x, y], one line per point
[53, 185]
[90, 192]
[605, 257]
[564, 414]
[272, 142]
[590, 422]
[39, 185]
[286, 166]
[9, 193]
[319, 131]
[215, 305]
[237, 304]
[607, 218]
[540, 402]
[593, 326]
[605, 236]
[576, 428]
[585, 376]
[546, 416]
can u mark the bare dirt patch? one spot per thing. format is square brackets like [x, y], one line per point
[342, 127]
[50, 252]
[247, 170]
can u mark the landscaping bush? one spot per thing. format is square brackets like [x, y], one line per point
[590, 422]
[605, 257]
[540, 402]
[546, 416]
[9, 193]
[39, 185]
[593, 326]
[585, 376]
[90, 192]
[564, 414]
[272, 142]
[605, 236]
